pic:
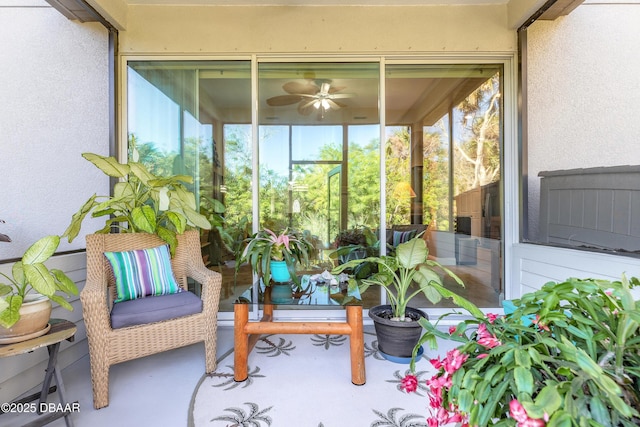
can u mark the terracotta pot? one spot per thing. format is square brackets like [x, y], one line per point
[34, 318]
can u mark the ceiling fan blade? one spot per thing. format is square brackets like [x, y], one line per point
[305, 108]
[335, 89]
[300, 88]
[279, 101]
[341, 95]
[305, 104]
[335, 105]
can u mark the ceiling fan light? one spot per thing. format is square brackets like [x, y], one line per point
[325, 104]
[317, 104]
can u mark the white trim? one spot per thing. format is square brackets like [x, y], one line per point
[511, 176]
[534, 265]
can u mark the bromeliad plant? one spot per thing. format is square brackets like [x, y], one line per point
[30, 275]
[409, 265]
[567, 356]
[141, 202]
[265, 246]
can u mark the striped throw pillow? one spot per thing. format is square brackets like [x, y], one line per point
[141, 273]
[402, 236]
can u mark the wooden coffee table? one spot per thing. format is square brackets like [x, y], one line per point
[247, 333]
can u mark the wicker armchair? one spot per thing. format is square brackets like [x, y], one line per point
[109, 346]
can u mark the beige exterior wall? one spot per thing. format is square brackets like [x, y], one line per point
[202, 30]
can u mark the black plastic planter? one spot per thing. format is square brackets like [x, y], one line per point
[396, 339]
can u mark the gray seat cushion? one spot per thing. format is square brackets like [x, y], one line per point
[154, 309]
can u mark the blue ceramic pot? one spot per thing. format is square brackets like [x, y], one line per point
[280, 272]
[281, 293]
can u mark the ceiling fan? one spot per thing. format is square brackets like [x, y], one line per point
[315, 95]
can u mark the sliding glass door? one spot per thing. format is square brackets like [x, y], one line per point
[443, 168]
[306, 146]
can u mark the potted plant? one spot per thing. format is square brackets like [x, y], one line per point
[141, 202]
[25, 304]
[356, 243]
[396, 323]
[567, 355]
[275, 256]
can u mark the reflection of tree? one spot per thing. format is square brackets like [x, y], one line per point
[158, 162]
[435, 196]
[476, 162]
[364, 184]
[237, 172]
[197, 161]
[397, 169]
[478, 148]
[274, 199]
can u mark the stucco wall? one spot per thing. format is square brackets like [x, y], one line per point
[54, 94]
[583, 91]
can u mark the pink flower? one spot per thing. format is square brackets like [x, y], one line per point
[492, 317]
[282, 239]
[452, 329]
[409, 383]
[489, 342]
[542, 326]
[432, 422]
[435, 401]
[519, 414]
[517, 411]
[482, 356]
[438, 382]
[486, 338]
[436, 363]
[454, 361]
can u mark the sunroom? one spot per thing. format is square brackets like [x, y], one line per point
[453, 119]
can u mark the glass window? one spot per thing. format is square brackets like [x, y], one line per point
[319, 158]
[190, 117]
[443, 169]
[319, 152]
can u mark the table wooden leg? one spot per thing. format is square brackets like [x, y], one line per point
[241, 341]
[356, 343]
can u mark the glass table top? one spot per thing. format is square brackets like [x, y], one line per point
[311, 292]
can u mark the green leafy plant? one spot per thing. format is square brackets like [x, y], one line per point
[568, 355]
[141, 202]
[265, 246]
[357, 242]
[409, 265]
[30, 275]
